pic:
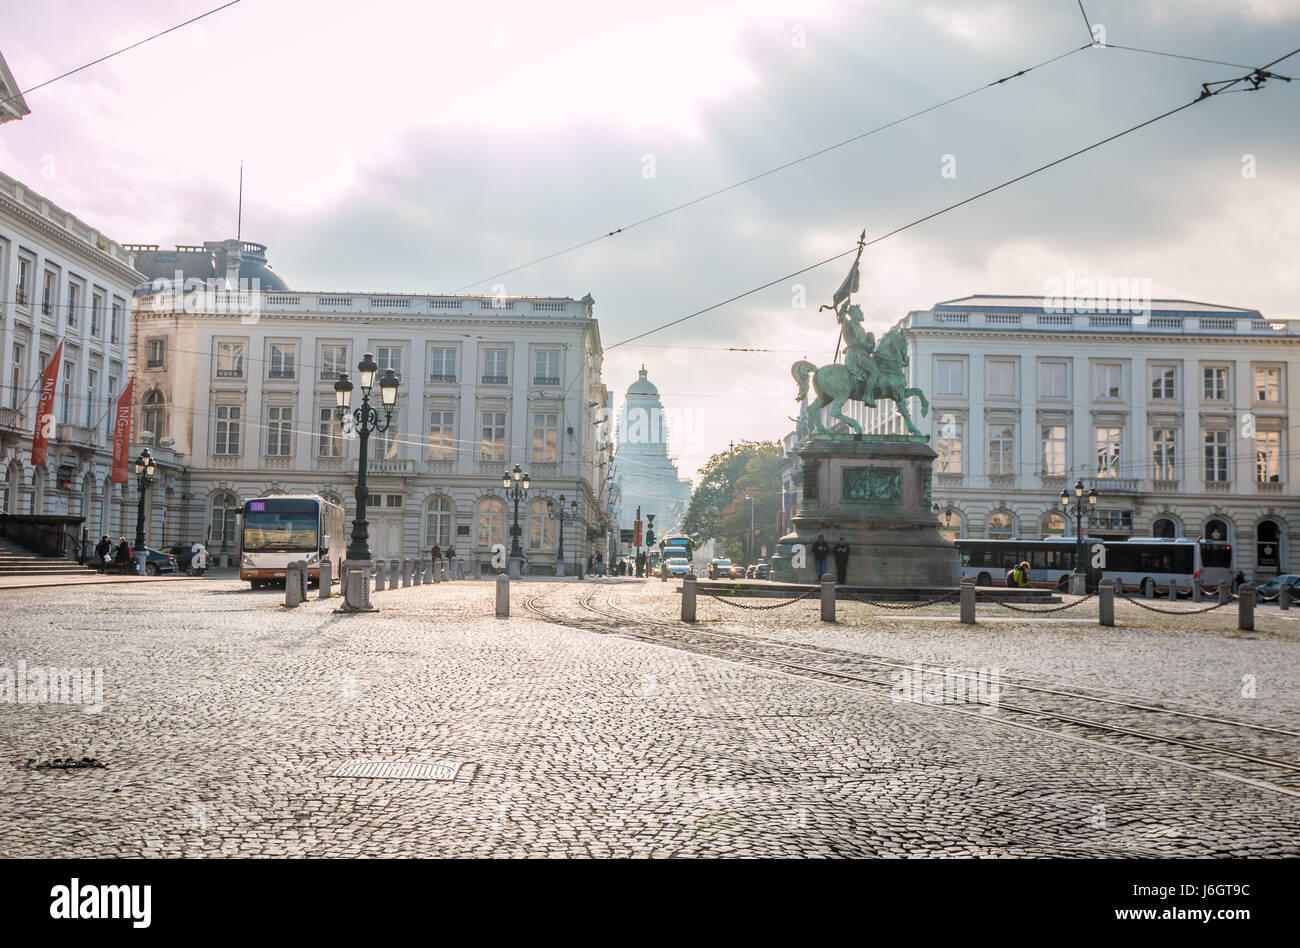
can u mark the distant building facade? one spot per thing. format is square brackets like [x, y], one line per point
[241, 383]
[63, 280]
[1178, 414]
[647, 476]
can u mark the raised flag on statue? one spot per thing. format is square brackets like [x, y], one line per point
[45, 423]
[122, 434]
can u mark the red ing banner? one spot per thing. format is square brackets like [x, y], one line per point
[45, 409]
[122, 434]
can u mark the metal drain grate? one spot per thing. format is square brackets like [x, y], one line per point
[400, 769]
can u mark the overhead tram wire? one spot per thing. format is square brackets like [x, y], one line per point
[1205, 94]
[96, 62]
[771, 171]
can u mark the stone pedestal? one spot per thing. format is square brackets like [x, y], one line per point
[875, 493]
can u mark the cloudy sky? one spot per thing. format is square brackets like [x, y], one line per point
[402, 147]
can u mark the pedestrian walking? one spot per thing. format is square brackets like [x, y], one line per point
[820, 550]
[841, 562]
[1238, 581]
[103, 553]
[122, 558]
[600, 563]
[1018, 575]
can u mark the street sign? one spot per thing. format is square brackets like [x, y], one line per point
[625, 536]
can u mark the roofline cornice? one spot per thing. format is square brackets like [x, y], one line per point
[129, 277]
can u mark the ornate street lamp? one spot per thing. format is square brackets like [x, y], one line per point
[145, 470]
[516, 484]
[365, 419]
[560, 514]
[1076, 509]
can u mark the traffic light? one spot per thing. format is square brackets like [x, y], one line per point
[649, 537]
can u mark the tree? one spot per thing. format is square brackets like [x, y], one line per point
[718, 507]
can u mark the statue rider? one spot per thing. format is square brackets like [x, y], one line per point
[860, 346]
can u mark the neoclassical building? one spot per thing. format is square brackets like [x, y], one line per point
[1177, 412]
[647, 476]
[236, 386]
[63, 280]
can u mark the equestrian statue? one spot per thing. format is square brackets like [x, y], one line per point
[870, 370]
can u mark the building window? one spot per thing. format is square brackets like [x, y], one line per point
[96, 314]
[541, 527]
[1164, 444]
[47, 294]
[279, 431]
[74, 308]
[1164, 528]
[333, 362]
[1163, 379]
[950, 377]
[1053, 525]
[329, 440]
[109, 414]
[222, 532]
[950, 448]
[950, 524]
[1054, 451]
[1002, 378]
[1109, 380]
[442, 438]
[1117, 520]
[69, 374]
[1268, 384]
[155, 349]
[437, 523]
[1108, 448]
[387, 442]
[225, 438]
[1001, 526]
[16, 375]
[91, 378]
[547, 368]
[442, 365]
[24, 275]
[546, 435]
[230, 360]
[283, 359]
[1002, 450]
[1216, 457]
[495, 371]
[1216, 530]
[1268, 457]
[1268, 546]
[154, 416]
[1214, 383]
[493, 447]
[115, 326]
[490, 522]
[1053, 380]
[389, 357]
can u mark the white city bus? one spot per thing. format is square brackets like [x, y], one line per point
[1133, 564]
[288, 527]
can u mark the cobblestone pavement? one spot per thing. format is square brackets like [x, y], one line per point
[225, 715]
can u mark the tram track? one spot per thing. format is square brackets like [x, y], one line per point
[1052, 709]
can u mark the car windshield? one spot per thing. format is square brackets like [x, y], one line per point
[723, 562]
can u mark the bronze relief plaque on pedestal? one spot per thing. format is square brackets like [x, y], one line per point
[872, 485]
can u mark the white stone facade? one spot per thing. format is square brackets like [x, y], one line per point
[1178, 414]
[62, 279]
[248, 397]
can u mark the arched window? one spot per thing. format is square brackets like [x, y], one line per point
[950, 523]
[1164, 528]
[490, 522]
[154, 416]
[222, 531]
[1268, 547]
[1002, 526]
[1053, 525]
[541, 526]
[1216, 530]
[437, 522]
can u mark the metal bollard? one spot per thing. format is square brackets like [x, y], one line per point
[503, 596]
[356, 587]
[688, 598]
[1173, 589]
[325, 585]
[1149, 590]
[293, 584]
[1284, 596]
[967, 602]
[1246, 608]
[381, 575]
[1106, 602]
[1196, 590]
[828, 598]
[435, 572]
[406, 573]
[1225, 592]
[394, 573]
[417, 572]
[446, 577]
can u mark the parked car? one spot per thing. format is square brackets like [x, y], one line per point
[677, 567]
[156, 563]
[761, 570]
[193, 558]
[720, 568]
[1269, 591]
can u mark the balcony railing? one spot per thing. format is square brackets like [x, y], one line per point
[545, 380]
[442, 378]
[76, 435]
[1114, 485]
[496, 380]
[11, 418]
[400, 466]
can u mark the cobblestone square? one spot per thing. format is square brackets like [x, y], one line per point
[593, 724]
